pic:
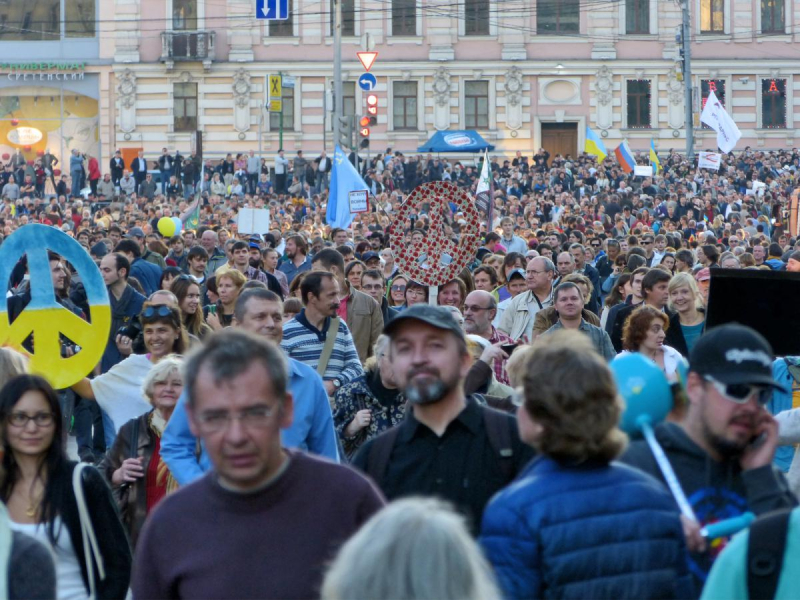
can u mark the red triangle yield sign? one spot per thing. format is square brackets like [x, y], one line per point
[367, 59]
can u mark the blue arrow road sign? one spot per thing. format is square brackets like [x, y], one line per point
[272, 10]
[367, 82]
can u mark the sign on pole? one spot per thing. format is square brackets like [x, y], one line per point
[288, 81]
[367, 59]
[272, 10]
[275, 93]
[359, 201]
[367, 82]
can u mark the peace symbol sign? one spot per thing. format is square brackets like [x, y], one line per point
[436, 259]
[44, 317]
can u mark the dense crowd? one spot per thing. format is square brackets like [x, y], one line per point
[262, 397]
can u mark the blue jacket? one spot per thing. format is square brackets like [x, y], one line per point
[311, 429]
[783, 401]
[148, 274]
[596, 531]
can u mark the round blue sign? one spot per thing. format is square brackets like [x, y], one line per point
[367, 82]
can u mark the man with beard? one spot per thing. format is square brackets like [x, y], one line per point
[722, 451]
[449, 446]
[297, 255]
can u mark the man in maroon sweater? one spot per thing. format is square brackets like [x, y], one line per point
[264, 522]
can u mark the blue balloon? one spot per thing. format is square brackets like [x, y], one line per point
[645, 389]
[178, 224]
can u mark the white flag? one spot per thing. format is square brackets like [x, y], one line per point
[483, 192]
[709, 160]
[715, 116]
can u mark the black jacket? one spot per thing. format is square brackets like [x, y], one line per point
[674, 337]
[619, 322]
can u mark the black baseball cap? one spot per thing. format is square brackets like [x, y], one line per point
[435, 316]
[368, 256]
[732, 354]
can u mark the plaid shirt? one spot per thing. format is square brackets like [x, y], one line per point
[500, 365]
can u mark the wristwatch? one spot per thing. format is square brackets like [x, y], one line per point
[337, 384]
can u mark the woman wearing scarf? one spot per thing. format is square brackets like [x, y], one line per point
[139, 477]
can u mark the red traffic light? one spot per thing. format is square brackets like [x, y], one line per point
[364, 122]
[373, 110]
[364, 132]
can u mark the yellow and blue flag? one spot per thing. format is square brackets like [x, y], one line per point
[654, 162]
[595, 145]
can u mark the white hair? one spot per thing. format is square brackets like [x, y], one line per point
[161, 371]
[415, 549]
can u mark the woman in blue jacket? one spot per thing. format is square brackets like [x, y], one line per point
[576, 524]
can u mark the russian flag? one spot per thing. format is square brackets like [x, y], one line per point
[625, 157]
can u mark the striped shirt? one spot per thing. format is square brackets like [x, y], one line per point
[304, 342]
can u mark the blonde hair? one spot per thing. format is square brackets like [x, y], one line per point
[161, 371]
[680, 280]
[418, 548]
[12, 363]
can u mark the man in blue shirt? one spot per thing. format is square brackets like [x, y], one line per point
[260, 311]
[297, 258]
[147, 274]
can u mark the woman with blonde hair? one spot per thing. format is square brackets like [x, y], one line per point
[548, 534]
[418, 549]
[688, 320]
[12, 363]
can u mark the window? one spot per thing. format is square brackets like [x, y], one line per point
[348, 17]
[349, 98]
[558, 16]
[287, 95]
[476, 104]
[31, 21]
[773, 103]
[184, 102]
[80, 18]
[283, 28]
[184, 15]
[711, 85]
[404, 17]
[404, 104]
[638, 92]
[712, 16]
[773, 17]
[637, 16]
[476, 17]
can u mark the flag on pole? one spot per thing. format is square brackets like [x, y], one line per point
[625, 157]
[594, 145]
[715, 116]
[654, 162]
[344, 179]
[483, 193]
[191, 218]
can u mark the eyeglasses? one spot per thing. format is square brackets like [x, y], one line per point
[20, 419]
[647, 242]
[416, 292]
[372, 286]
[595, 245]
[740, 393]
[161, 310]
[475, 308]
[398, 288]
[251, 418]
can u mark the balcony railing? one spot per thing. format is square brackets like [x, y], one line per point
[185, 46]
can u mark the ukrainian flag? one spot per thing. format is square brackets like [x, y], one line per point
[594, 145]
[654, 162]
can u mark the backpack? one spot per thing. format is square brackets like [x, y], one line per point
[765, 550]
[498, 430]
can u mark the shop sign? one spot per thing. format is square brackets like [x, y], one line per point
[43, 71]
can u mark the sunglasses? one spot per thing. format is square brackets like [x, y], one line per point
[161, 310]
[740, 393]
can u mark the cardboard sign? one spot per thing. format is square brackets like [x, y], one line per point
[253, 220]
[436, 259]
[643, 171]
[44, 317]
[359, 201]
[708, 160]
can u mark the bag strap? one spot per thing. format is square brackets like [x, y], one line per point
[765, 550]
[327, 349]
[498, 430]
[91, 549]
[379, 454]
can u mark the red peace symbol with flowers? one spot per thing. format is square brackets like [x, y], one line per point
[436, 259]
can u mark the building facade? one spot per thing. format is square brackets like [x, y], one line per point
[525, 74]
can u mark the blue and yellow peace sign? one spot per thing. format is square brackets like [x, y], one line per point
[44, 317]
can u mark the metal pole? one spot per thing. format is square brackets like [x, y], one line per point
[337, 69]
[280, 124]
[687, 79]
[324, 120]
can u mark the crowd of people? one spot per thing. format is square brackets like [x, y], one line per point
[287, 415]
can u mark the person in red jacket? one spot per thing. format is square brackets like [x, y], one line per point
[94, 174]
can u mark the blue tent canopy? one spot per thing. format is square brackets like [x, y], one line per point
[460, 140]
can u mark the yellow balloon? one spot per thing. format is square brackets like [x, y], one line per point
[166, 227]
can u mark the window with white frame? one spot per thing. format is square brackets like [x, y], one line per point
[638, 97]
[637, 16]
[348, 17]
[287, 96]
[404, 17]
[558, 16]
[284, 28]
[712, 16]
[476, 17]
[184, 107]
[184, 15]
[476, 104]
[773, 16]
[404, 105]
[773, 103]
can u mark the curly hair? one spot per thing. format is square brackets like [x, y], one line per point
[637, 324]
[570, 392]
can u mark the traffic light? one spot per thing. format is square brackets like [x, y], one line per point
[346, 126]
[363, 125]
[372, 105]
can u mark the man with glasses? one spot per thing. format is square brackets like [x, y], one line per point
[722, 451]
[518, 318]
[374, 286]
[648, 242]
[480, 309]
[259, 500]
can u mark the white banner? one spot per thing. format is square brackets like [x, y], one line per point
[715, 116]
[709, 160]
[643, 171]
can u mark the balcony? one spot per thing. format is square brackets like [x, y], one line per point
[188, 46]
